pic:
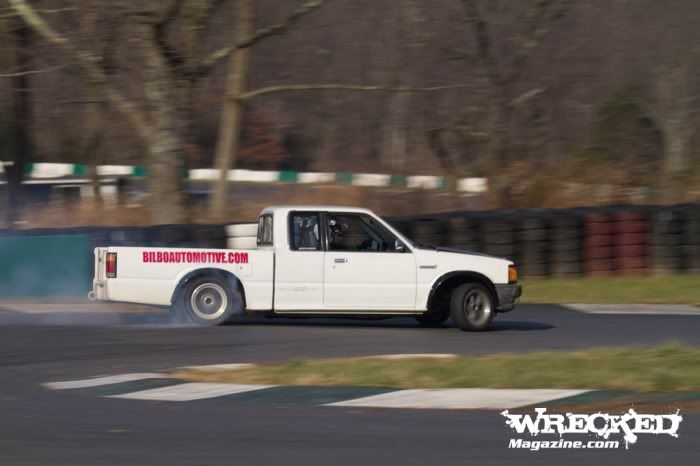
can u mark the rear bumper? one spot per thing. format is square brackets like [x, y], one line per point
[98, 292]
[507, 296]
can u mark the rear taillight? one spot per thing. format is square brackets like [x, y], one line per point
[111, 265]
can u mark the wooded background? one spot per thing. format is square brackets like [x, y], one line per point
[528, 93]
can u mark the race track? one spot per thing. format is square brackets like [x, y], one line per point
[39, 426]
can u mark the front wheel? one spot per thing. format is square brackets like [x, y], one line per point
[210, 301]
[472, 307]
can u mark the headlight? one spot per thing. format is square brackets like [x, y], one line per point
[512, 274]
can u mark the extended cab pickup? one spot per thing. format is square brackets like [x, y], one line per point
[313, 260]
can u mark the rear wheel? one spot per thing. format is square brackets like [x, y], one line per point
[211, 301]
[472, 307]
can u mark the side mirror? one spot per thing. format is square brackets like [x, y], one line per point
[399, 246]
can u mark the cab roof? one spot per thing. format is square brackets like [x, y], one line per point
[321, 208]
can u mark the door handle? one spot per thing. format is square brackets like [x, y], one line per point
[340, 260]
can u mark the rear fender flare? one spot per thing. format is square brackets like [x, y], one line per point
[226, 275]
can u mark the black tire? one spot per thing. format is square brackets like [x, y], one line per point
[534, 235]
[464, 307]
[210, 301]
[434, 318]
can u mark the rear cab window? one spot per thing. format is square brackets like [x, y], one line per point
[265, 230]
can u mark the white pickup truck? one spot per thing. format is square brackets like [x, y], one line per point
[313, 260]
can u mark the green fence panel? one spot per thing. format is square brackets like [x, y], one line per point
[288, 177]
[40, 266]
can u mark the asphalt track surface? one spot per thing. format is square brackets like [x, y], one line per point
[39, 426]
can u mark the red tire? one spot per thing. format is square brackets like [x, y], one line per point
[630, 227]
[598, 229]
[592, 254]
[598, 265]
[598, 218]
[632, 238]
[628, 217]
[597, 241]
[631, 250]
[633, 272]
[598, 273]
[625, 263]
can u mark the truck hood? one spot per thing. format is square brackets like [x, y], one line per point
[464, 251]
[444, 260]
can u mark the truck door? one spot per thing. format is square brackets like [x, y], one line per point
[299, 266]
[365, 268]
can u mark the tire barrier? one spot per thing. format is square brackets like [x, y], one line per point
[616, 240]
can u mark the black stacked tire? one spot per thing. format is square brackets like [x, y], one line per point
[692, 238]
[498, 237]
[533, 244]
[463, 232]
[429, 231]
[208, 236]
[172, 235]
[131, 236]
[668, 225]
[403, 226]
[566, 244]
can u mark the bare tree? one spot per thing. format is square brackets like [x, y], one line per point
[504, 55]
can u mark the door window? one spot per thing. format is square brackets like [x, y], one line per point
[304, 231]
[348, 232]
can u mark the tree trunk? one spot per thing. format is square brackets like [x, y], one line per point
[499, 149]
[166, 98]
[677, 139]
[230, 124]
[22, 115]
[93, 126]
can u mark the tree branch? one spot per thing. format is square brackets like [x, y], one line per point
[304, 9]
[536, 28]
[171, 55]
[88, 62]
[30, 72]
[538, 17]
[483, 39]
[344, 87]
[40, 11]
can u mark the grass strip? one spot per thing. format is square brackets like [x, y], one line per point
[674, 289]
[669, 367]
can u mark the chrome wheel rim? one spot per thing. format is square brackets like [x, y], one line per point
[209, 301]
[477, 307]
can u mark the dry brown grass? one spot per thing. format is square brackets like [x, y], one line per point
[246, 205]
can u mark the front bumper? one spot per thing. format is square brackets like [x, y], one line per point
[507, 296]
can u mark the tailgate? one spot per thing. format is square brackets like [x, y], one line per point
[98, 280]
